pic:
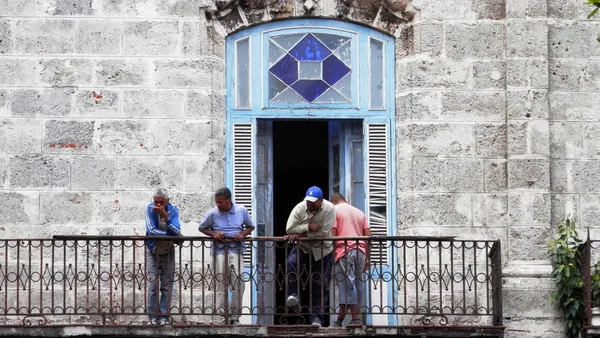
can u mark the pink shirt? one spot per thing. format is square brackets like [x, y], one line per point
[349, 222]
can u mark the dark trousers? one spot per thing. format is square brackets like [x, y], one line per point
[306, 274]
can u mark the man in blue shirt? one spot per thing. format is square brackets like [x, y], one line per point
[162, 219]
[228, 223]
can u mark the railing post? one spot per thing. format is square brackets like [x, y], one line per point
[496, 258]
[587, 282]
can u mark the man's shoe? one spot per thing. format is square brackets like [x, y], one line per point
[293, 303]
[163, 321]
[316, 323]
[234, 322]
[356, 322]
[337, 323]
[155, 321]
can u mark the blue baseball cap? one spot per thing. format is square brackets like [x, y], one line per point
[313, 193]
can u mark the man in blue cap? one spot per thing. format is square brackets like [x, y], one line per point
[310, 261]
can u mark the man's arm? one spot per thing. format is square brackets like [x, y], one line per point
[248, 224]
[325, 230]
[293, 224]
[173, 223]
[206, 225]
[152, 228]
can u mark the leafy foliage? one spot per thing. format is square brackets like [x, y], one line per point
[596, 6]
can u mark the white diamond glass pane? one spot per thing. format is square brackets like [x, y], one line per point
[275, 53]
[310, 70]
[332, 42]
[331, 96]
[288, 41]
[275, 86]
[242, 73]
[376, 74]
[344, 86]
[343, 53]
[288, 96]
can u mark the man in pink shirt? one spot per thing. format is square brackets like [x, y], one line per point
[350, 257]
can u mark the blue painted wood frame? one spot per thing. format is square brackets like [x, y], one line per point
[359, 109]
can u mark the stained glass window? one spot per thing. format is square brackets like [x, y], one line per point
[310, 68]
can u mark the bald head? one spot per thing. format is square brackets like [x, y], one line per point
[336, 198]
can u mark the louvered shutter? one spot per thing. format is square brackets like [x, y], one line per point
[242, 170]
[377, 169]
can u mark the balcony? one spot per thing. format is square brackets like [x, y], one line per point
[98, 285]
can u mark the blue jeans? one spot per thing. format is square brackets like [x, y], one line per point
[160, 270]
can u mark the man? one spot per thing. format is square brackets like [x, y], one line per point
[350, 257]
[162, 219]
[312, 218]
[232, 221]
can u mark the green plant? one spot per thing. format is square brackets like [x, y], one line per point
[596, 6]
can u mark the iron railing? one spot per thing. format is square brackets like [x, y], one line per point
[105, 280]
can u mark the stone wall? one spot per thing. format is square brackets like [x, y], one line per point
[497, 122]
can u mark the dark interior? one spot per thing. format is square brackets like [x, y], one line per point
[300, 160]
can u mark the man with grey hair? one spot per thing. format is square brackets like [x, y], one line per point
[162, 219]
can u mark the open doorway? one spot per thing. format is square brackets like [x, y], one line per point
[300, 160]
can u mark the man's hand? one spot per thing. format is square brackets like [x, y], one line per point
[314, 227]
[159, 209]
[239, 236]
[291, 238]
[219, 236]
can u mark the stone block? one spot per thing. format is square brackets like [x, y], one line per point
[17, 72]
[37, 171]
[24, 7]
[65, 207]
[198, 173]
[528, 174]
[20, 136]
[42, 102]
[567, 205]
[123, 137]
[443, 139]
[561, 176]
[574, 106]
[150, 37]
[403, 107]
[106, 208]
[590, 80]
[565, 140]
[425, 174]
[3, 102]
[585, 176]
[491, 139]
[195, 35]
[404, 145]
[565, 75]
[65, 72]
[530, 244]
[129, 8]
[193, 205]
[495, 175]
[205, 103]
[539, 137]
[436, 74]
[517, 138]
[489, 74]
[430, 38]
[574, 40]
[42, 36]
[490, 9]
[437, 209]
[529, 209]
[436, 10]
[93, 173]
[424, 105]
[68, 136]
[517, 327]
[490, 210]
[6, 40]
[589, 210]
[461, 175]
[591, 140]
[153, 103]
[190, 73]
[530, 73]
[563, 9]
[74, 7]
[526, 8]
[182, 8]
[404, 173]
[99, 36]
[473, 106]
[527, 39]
[96, 103]
[122, 72]
[525, 104]
[149, 172]
[193, 138]
[132, 205]
[4, 172]
[481, 40]
[20, 207]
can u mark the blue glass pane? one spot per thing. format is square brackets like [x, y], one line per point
[343, 53]
[288, 41]
[310, 89]
[275, 86]
[310, 49]
[286, 70]
[344, 86]
[288, 96]
[334, 70]
[275, 53]
[332, 42]
[331, 96]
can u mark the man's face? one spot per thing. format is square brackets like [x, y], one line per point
[161, 201]
[314, 206]
[222, 203]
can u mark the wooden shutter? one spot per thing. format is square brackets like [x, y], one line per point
[242, 170]
[377, 169]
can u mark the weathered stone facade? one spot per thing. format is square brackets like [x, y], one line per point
[498, 131]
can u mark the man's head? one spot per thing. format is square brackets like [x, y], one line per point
[313, 198]
[223, 199]
[337, 198]
[161, 197]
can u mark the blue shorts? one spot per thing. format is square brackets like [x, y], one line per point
[348, 277]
